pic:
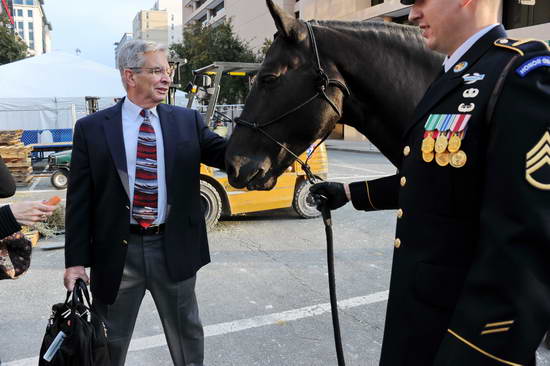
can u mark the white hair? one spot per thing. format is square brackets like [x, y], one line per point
[131, 54]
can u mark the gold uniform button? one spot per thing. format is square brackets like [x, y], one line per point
[407, 150]
[124, 242]
[403, 181]
[397, 243]
[399, 213]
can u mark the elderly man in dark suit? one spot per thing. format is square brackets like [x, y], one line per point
[470, 278]
[133, 206]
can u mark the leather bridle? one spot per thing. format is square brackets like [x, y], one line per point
[324, 82]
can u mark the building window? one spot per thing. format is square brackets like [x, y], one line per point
[518, 15]
[29, 13]
[18, 2]
[31, 45]
[203, 19]
[376, 2]
[31, 26]
[31, 36]
[217, 9]
[172, 26]
[29, 2]
[19, 12]
[199, 3]
[172, 17]
[20, 29]
[297, 14]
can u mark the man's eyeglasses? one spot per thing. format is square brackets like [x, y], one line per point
[156, 71]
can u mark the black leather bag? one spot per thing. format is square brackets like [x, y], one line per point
[75, 335]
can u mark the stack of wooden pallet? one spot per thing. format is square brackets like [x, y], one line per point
[16, 156]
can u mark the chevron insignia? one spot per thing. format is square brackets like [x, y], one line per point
[538, 161]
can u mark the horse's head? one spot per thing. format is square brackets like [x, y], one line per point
[283, 104]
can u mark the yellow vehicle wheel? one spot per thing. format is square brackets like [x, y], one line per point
[211, 204]
[303, 203]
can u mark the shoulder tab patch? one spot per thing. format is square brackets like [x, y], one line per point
[522, 46]
[533, 64]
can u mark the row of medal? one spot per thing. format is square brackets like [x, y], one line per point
[443, 134]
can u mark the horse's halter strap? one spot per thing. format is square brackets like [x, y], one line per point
[324, 83]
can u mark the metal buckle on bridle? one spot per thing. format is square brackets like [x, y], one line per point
[323, 81]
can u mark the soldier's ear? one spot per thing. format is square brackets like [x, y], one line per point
[289, 27]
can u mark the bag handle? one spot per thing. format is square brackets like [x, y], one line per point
[79, 293]
[82, 289]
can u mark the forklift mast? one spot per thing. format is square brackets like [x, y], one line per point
[202, 82]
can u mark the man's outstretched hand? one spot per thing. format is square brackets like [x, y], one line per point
[336, 193]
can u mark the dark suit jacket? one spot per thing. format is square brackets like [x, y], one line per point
[98, 207]
[470, 280]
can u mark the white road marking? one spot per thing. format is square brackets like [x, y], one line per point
[36, 181]
[140, 344]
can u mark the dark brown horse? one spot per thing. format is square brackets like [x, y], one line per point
[385, 67]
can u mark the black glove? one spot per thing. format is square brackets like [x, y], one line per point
[333, 191]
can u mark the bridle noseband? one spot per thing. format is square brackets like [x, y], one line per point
[324, 82]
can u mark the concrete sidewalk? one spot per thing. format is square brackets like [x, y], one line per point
[354, 146]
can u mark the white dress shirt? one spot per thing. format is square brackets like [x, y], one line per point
[450, 61]
[131, 122]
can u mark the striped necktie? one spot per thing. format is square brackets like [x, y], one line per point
[145, 206]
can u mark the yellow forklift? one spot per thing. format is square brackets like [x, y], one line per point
[220, 198]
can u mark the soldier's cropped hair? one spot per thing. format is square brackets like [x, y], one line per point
[131, 54]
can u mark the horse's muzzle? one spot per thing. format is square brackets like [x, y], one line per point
[243, 172]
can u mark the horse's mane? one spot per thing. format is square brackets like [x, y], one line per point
[385, 31]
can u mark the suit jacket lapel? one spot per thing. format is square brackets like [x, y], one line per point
[115, 140]
[169, 138]
[445, 84]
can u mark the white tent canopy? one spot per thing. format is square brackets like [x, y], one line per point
[48, 91]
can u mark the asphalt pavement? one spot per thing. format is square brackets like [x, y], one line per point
[263, 299]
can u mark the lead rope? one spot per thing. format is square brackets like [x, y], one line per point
[327, 220]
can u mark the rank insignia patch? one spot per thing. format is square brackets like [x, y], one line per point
[533, 64]
[537, 168]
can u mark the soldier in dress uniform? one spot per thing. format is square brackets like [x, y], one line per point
[470, 283]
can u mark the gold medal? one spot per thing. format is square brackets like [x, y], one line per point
[428, 144]
[454, 143]
[442, 159]
[458, 159]
[441, 143]
[428, 157]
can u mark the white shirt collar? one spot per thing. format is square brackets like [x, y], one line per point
[133, 110]
[450, 61]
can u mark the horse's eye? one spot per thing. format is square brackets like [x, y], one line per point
[269, 79]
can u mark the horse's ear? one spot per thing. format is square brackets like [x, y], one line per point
[289, 27]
